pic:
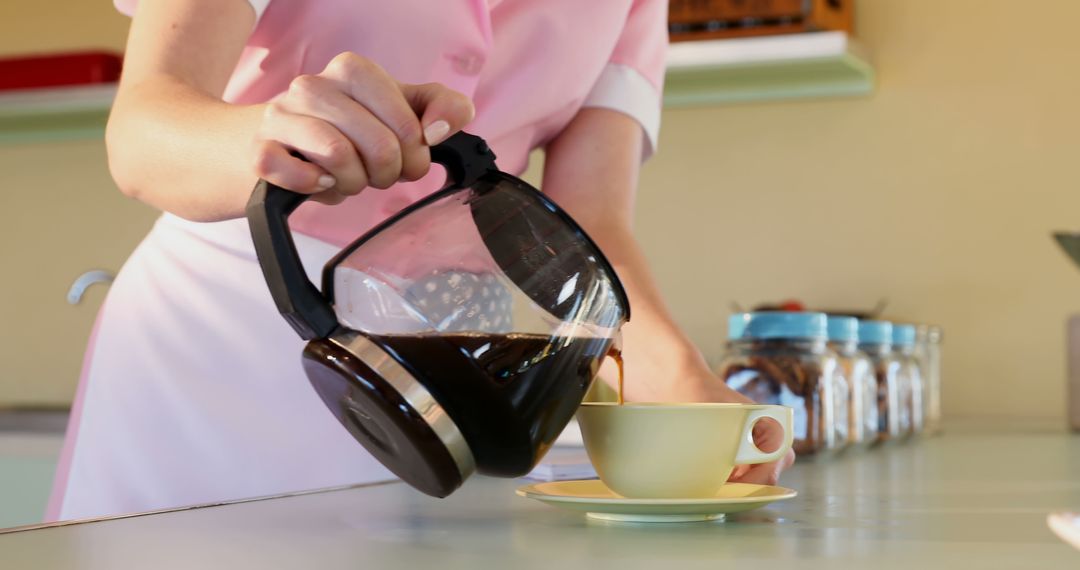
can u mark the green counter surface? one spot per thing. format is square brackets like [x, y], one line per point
[971, 499]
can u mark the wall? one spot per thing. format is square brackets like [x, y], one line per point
[938, 193]
[34, 26]
[62, 216]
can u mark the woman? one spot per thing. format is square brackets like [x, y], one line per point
[192, 390]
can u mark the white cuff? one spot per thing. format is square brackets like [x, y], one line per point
[623, 88]
[127, 7]
[259, 6]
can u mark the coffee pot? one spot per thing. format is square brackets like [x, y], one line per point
[458, 336]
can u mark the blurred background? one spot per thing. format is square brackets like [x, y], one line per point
[926, 163]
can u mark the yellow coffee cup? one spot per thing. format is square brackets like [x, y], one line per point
[675, 451]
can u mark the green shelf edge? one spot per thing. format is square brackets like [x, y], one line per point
[53, 127]
[843, 76]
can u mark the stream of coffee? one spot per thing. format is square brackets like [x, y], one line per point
[615, 352]
[616, 355]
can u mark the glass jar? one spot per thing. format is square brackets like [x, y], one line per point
[855, 373]
[875, 339]
[911, 383]
[782, 358]
[928, 339]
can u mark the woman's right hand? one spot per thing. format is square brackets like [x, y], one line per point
[356, 127]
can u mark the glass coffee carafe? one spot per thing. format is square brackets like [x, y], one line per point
[461, 334]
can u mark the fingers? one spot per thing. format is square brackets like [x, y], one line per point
[763, 474]
[357, 127]
[319, 142]
[442, 110]
[767, 437]
[273, 163]
[330, 198]
[383, 97]
[788, 460]
[756, 474]
[739, 472]
[379, 148]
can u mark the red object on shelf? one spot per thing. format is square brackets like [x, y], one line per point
[793, 306]
[59, 70]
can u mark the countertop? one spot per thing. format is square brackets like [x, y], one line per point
[967, 498]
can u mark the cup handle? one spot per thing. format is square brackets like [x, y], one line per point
[749, 453]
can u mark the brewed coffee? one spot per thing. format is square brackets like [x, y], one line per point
[498, 387]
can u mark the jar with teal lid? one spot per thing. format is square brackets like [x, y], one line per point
[912, 409]
[875, 339]
[928, 341]
[841, 385]
[783, 358]
[856, 373]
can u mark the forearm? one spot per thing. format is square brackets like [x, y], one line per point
[182, 151]
[591, 171]
[652, 330]
[677, 370]
[172, 142]
[650, 316]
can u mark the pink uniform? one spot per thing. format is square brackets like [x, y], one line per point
[192, 389]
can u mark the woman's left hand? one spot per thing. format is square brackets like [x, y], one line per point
[670, 370]
[768, 435]
[591, 170]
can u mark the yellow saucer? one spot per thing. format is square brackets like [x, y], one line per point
[599, 502]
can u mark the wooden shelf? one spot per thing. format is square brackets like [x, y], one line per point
[818, 64]
[67, 113]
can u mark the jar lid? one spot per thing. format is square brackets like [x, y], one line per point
[843, 329]
[903, 335]
[927, 334]
[875, 332]
[736, 324]
[776, 324]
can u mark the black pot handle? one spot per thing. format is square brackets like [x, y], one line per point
[466, 158]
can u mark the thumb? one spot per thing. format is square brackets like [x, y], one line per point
[442, 110]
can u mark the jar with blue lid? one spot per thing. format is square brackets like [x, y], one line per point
[928, 342]
[876, 340]
[912, 396]
[856, 374]
[783, 358]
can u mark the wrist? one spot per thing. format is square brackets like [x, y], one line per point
[685, 373]
[696, 382]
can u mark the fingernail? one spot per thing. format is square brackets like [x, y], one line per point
[325, 181]
[436, 132]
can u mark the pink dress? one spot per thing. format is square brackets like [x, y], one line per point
[192, 390]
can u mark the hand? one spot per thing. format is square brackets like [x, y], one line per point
[651, 359]
[601, 149]
[767, 436]
[357, 126]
